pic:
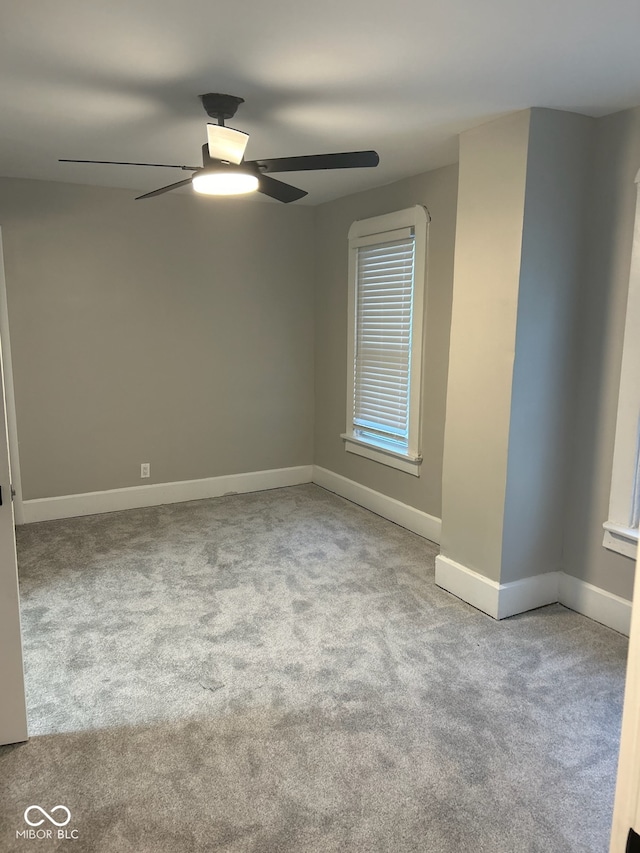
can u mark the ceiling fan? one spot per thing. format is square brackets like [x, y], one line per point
[224, 170]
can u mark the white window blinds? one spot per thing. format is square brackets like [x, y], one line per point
[382, 357]
[387, 285]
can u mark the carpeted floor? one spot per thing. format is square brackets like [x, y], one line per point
[277, 673]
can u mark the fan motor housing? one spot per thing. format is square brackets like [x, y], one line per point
[220, 106]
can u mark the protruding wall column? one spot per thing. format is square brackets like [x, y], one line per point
[521, 207]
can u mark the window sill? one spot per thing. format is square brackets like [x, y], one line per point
[401, 461]
[623, 540]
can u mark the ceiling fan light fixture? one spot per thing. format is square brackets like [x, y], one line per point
[224, 182]
[225, 171]
[225, 143]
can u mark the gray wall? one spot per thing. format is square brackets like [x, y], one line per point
[551, 273]
[176, 331]
[437, 190]
[491, 199]
[601, 321]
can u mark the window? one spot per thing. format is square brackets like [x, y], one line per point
[387, 264]
[621, 530]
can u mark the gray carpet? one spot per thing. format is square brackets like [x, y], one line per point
[278, 673]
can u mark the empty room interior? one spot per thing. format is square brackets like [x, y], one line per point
[326, 488]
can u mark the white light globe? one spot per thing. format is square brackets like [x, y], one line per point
[224, 183]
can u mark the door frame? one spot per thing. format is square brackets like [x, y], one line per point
[13, 711]
[9, 391]
[627, 796]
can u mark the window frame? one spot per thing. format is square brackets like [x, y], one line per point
[361, 233]
[619, 535]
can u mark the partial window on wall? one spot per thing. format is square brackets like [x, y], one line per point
[621, 529]
[387, 269]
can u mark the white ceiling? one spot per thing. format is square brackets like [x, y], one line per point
[120, 80]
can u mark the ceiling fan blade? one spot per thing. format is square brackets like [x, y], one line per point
[121, 163]
[308, 162]
[279, 190]
[165, 189]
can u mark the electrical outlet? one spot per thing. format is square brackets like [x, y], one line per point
[145, 470]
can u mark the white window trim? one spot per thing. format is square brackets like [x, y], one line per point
[619, 536]
[418, 218]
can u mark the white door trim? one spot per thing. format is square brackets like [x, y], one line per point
[626, 811]
[13, 712]
[10, 400]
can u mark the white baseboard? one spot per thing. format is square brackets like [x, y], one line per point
[468, 585]
[528, 593]
[502, 600]
[498, 600]
[113, 500]
[596, 603]
[407, 516]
